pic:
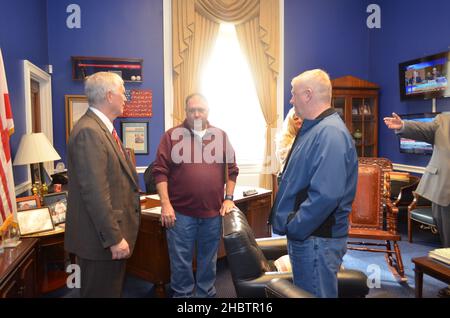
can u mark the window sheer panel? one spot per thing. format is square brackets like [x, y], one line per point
[234, 106]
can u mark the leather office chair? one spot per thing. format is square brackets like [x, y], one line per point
[150, 185]
[283, 288]
[251, 261]
[420, 211]
[374, 217]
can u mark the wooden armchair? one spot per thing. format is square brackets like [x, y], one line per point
[386, 166]
[374, 217]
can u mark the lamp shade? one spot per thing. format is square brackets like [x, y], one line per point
[35, 148]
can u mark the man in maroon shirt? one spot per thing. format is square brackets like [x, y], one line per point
[193, 162]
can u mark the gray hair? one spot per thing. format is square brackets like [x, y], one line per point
[203, 98]
[319, 80]
[97, 85]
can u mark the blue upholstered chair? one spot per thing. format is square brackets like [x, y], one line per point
[420, 211]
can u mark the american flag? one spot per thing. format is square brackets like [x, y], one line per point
[7, 193]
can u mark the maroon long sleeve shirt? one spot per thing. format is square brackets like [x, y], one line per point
[194, 169]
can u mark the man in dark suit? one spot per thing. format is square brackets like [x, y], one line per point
[103, 203]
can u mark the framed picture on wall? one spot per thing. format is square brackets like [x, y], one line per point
[76, 106]
[135, 136]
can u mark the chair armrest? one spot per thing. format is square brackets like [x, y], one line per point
[391, 208]
[413, 204]
[352, 284]
[391, 217]
[405, 197]
[273, 247]
[283, 288]
[256, 288]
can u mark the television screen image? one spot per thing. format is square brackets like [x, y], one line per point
[425, 78]
[414, 146]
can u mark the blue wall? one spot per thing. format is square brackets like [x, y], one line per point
[23, 36]
[113, 28]
[326, 34]
[333, 35]
[410, 29]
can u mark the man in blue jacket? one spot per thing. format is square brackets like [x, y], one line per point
[317, 188]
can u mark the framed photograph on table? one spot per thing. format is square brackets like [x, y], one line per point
[34, 221]
[27, 203]
[76, 106]
[135, 136]
[57, 204]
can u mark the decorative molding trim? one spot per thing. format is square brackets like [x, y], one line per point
[168, 76]
[407, 168]
[140, 169]
[31, 71]
[21, 188]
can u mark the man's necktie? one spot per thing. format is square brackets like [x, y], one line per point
[118, 142]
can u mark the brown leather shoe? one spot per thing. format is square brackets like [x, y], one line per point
[444, 292]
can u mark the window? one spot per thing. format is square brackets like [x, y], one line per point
[234, 106]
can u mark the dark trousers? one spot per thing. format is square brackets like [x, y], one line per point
[101, 279]
[441, 216]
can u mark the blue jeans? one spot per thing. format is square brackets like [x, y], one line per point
[187, 233]
[315, 263]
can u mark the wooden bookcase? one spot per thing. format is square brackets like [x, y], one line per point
[356, 100]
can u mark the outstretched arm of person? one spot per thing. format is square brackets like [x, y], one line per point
[394, 122]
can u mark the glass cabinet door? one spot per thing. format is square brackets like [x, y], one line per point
[339, 105]
[363, 126]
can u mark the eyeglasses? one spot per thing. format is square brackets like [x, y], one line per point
[194, 110]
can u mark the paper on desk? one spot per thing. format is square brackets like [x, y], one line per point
[150, 196]
[155, 211]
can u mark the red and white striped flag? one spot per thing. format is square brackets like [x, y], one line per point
[7, 192]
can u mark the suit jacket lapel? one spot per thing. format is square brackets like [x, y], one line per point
[124, 160]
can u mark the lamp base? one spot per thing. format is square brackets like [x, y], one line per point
[39, 189]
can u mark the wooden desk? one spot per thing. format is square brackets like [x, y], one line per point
[430, 267]
[150, 259]
[51, 260]
[18, 270]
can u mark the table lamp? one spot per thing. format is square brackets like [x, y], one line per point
[35, 148]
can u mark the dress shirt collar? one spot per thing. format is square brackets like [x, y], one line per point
[103, 118]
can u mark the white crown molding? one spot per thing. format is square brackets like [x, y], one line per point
[407, 168]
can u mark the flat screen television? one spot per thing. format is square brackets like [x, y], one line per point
[414, 146]
[425, 77]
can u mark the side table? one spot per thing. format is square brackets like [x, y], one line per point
[426, 265]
